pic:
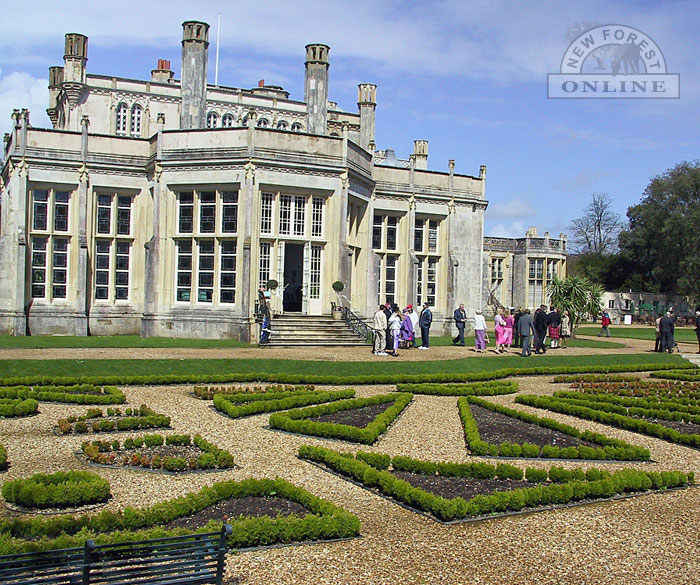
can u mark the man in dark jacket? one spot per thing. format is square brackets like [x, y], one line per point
[525, 327]
[516, 335]
[540, 329]
[460, 317]
[553, 323]
[425, 320]
[666, 328]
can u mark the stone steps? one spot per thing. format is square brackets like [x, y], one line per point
[311, 331]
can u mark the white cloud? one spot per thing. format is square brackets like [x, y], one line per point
[516, 208]
[514, 229]
[21, 90]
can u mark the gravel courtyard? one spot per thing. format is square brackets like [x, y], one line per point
[650, 539]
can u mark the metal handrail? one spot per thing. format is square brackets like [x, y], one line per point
[356, 324]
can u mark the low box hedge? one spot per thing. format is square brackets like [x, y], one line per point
[611, 449]
[16, 407]
[130, 419]
[678, 374]
[594, 378]
[334, 380]
[108, 453]
[77, 393]
[643, 388]
[628, 423]
[208, 392]
[490, 388]
[324, 521]
[3, 457]
[296, 421]
[57, 490]
[563, 486]
[237, 405]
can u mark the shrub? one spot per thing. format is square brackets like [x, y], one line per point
[62, 489]
[3, 457]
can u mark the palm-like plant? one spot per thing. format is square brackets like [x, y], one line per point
[577, 295]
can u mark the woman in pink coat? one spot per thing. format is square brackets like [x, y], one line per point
[500, 328]
[510, 325]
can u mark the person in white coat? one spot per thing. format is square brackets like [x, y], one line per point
[479, 331]
[379, 325]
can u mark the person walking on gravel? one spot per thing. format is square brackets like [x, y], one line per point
[697, 328]
[604, 324]
[424, 321]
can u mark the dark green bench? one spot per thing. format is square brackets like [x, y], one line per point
[190, 559]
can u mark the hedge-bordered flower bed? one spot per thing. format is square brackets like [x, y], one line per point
[612, 449]
[490, 388]
[108, 453]
[643, 388]
[208, 392]
[335, 380]
[594, 378]
[325, 521]
[645, 407]
[130, 420]
[296, 421]
[3, 457]
[250, 404]
[57, 490]
[14, 407]
[76, 393]
[563, 486]
[628, 423]
[678, 374]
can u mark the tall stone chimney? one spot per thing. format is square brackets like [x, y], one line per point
[55, 81]
[367, 103]
[420, 154]
[193, 84]
[316, 88]
[75, 58]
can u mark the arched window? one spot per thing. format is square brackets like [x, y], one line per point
[227, 121]
[296, 127]
[122, 114]
[244, 121]
[282, 125]
[136, 120]
[263, 123]
[212, 120]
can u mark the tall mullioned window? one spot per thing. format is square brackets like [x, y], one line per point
[265, 263]
[266, 210]
[227, 121]
[212, 120]
[316, 217]
[426, 244]
[136, 120]
[113, 247]
[386, 283]
[535, 282]
[315, 273]
[206, 246]
[50, 243]
[121, 119]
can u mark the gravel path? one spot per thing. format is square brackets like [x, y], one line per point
[646, 540]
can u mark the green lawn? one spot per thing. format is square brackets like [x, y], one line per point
[51, 341]
[686, 334]
[12, 368]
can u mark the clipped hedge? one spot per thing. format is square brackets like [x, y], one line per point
[594, 378]
[130, 420]
[324, 521]
[645, 407]
[208, 392]
[622, 421]
[574, 488]
[612, 449]
[57, 490]
[490, 388]
[296, 421]
[3, 457]
[77, 393]
[15, 407]
[108, 453]
[334, 380]
[679, 374]
[237, 405]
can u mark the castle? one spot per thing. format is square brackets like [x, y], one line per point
[160, 207]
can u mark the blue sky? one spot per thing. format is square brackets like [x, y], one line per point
[468, 76]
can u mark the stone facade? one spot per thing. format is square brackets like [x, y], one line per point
[516, 271]
[158, 207]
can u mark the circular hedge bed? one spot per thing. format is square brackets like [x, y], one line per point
[58, 490]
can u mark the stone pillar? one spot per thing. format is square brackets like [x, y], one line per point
[412, 270]
[367, 104]
[247, 308]
[316, 88]
[152, 301]
[193, 85]
[81, 300]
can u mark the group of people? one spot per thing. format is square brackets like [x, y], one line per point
[521, 329]
[395, 328]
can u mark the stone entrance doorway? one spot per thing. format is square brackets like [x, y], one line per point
[293, 278]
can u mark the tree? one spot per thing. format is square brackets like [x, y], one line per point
[661, 246]
[577, 295]
[597, 230]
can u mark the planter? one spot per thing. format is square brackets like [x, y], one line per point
[337, 315]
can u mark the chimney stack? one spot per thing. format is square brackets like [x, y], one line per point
[420, 154]
[193, 85]
[162, 74]
[367, 103]
[316, 88]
